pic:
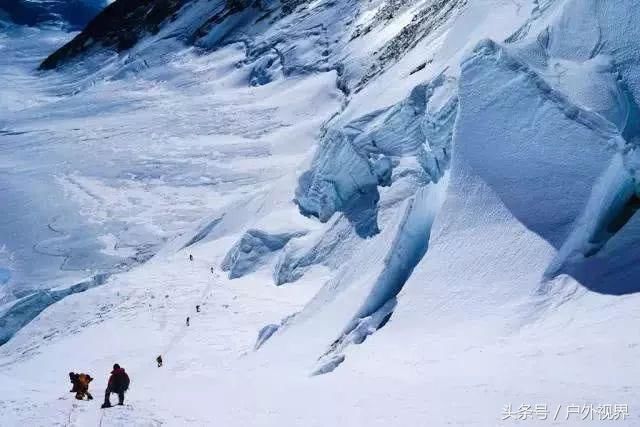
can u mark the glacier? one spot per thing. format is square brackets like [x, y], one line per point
[400, 212]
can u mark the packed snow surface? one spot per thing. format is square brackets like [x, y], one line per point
[390, 213]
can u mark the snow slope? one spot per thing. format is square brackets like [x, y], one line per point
[90, 208]
[422, 212]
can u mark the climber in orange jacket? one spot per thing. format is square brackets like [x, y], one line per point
[82, 386]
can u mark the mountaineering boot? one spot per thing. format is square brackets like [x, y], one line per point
[106, 405]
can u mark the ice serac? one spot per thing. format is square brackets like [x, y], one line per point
[203, 232]
[361, 296]
[356, 158]
[378, 181]
[405, 252]
[583, 50]
[525, 163]
[253, 250]
[330, 248]
[19, 313]
[600, 253]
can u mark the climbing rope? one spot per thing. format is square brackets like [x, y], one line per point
[204, 297]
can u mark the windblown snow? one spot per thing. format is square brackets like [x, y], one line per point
[399, 212]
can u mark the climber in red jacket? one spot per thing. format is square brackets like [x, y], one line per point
[118, 383]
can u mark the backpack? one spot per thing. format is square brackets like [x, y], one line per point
[120, 381]
[125, 381]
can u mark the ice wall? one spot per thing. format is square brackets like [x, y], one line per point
[358, 157]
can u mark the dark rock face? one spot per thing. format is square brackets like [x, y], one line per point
[72, 13]
[122, 24]
[119, 26]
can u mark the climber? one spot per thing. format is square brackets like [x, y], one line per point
[118, 383]
[187, 321]
[197, 309]
[190, 257]
[83, 386]
[159, 360]
[73, 377]
[211, 270]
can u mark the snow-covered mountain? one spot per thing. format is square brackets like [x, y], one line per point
[400, 213]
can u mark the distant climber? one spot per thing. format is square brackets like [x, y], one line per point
[187, 321]
[83, 387]
[197, 309]
[190, 257]
[212, 270]
[159, 360]
[118, 383]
